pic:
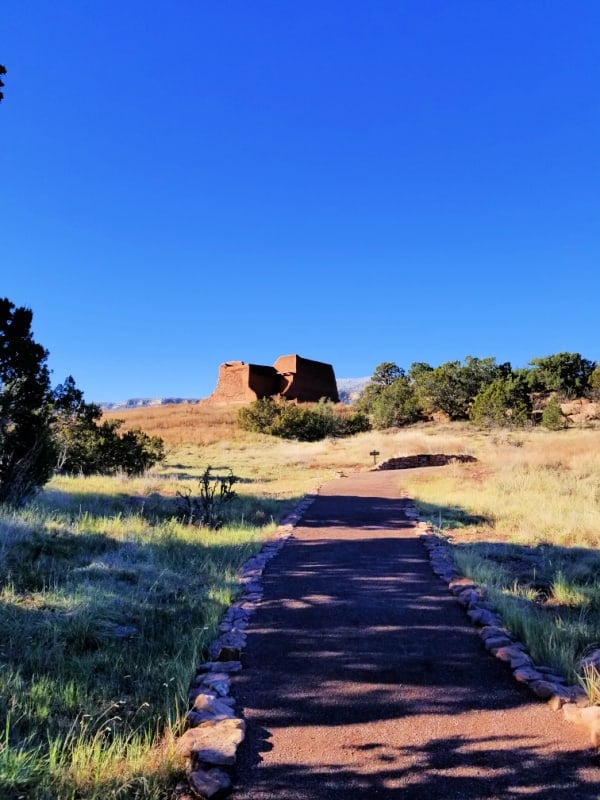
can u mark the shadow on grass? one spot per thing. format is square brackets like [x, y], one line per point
[444, 516]
[246, 509]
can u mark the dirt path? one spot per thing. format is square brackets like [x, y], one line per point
[364, 678]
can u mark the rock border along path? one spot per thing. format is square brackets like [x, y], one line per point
[543, 681]
[215, 732]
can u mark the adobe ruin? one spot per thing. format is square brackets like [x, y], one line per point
[291, 377]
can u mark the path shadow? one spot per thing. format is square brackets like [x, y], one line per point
[356, 634]
[443, 768]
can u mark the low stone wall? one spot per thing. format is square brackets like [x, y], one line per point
[424, 460]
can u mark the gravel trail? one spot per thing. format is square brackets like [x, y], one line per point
[363, 678]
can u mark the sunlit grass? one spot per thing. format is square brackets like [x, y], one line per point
[105, 611]
[107, 601]
[525, 524]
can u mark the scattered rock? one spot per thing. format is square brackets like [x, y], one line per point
[543, 689]
[543, 681]
[208, 783]
[212, 742]
[586, 717]
[526, 675]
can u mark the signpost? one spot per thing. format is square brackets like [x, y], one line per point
[374, 453]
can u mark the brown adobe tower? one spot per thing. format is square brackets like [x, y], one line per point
[292, 377]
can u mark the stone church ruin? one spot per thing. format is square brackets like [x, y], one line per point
[291, 377]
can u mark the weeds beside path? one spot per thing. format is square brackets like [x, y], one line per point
[364, 678]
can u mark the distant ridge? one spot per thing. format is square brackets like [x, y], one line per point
[144, 402]
[349, 390]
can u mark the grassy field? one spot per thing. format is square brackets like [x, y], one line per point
[524, 522]
[107, 601]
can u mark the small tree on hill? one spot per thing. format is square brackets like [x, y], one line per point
[552, 416]
[567, 373]
[504, 402]
[594, 382]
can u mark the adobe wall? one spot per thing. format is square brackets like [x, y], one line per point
[292, 377]
[264, 381]
[305, 380]
[233, 385]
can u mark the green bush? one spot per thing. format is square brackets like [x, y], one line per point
[504, 402]
[566, 373]
[389, 399]
[208, 508]
[294, 421]
[87, 446]
[552, 416]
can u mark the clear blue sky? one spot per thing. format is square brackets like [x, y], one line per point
[190, 182]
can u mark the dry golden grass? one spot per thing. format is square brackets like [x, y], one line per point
[182, 423]
[526, 512]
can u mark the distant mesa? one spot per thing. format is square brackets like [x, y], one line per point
[291, 377]
[145, 402]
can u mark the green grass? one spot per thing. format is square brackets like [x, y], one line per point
[524, 523]
[107, 604]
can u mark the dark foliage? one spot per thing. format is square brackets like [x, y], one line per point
[87, 446]
[566, 373]
[27, 449]
[305, 423]
[505, 402]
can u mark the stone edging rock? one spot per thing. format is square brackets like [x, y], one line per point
[543, 681]
[214, 731]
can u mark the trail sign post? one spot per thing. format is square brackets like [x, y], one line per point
[374, 453]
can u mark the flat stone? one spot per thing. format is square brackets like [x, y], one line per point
[208, 783]
[591, 659]
[212, 742]
[460, 584]
[551, 674]
[543, 689]
[493, 644]
[523, 660]
[588, 717]
[506, 652]
[221, 666]
[228, 653]
[481, 616]
[579, 696]
[467, 596]
[209, 678]
[211, 705]
[494, 631]
[558, 699]
[526, 675]
[196, 718]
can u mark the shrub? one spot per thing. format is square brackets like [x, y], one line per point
[567, 373]
[208, 507]
[87, 446]
[552, 416]
[389, 399]
[504, 402]
[305, 423]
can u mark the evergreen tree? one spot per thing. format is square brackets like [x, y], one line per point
[27, 449]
